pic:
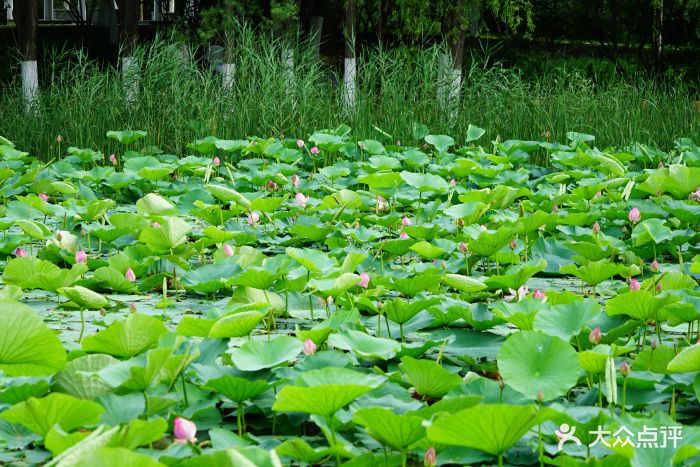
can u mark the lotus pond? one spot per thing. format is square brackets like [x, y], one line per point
[333, 301]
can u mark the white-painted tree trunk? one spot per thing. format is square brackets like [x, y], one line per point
[350, 84]
[454, 93]
[228, 70]
[9, 11]
[157, 14]
[130, 80]
[30, 85]
[288, 70]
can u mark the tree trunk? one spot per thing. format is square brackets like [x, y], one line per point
[228, 68]
[128, 25]
[26, 15]
[457, 40]
[350, 78]
[658, 33]
[315, 30]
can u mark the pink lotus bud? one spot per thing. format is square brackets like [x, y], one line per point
[80, 256]
[300, 199]
[132, 307]
[364, 280]
[635, 285]
[538, 294]
[295, 180]
[330, 300]
[59, 138]
[405, 221]
[463, 247]
[555, 208]
[271, 185]
[300, 143]
[382, 204]
[184, 431]
[654, 266]
[130, 275]
[309, 347]
[634, 215]
[596, 228]
[19, 252]
[156, 225]
[695, 196]
[216, 161]
[314, 150]
[513, 244]
[228, 251]
[253, 218]
[659, 287]
[113, 159]
[430, 458]
[403, 236]
[595, 336]
[624, 369]
[44, 196]
[540, 396]
[653, 345]
[398, 142]
[598, 194]
[453, 182]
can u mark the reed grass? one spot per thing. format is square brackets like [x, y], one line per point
[181, 99]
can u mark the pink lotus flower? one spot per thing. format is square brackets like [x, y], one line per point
[253, 218]
[80, 257]
[156, 225]
[300, 143]
[695, 196]
[659, 287]
[314, 150]
[330, 300]
[463, 247]
[184, 431]
[295, 180]
[634, 215]
[44, 196]
[113, 159]
[513, 244]
[364, 280]
[635, 285]
[132, 307]
[309, 347]
[624, 369]
[403, 236]
[538, 294]
[216, 161]
[654, 266]
[398, 142]
[595, 336]
[598, 194]
[430, 458]
[271, 185]
[228, 251]
[300, 199]
[596, 228]
[19, 252]
[382, 204]
[405, 221]
[453, 182]
[130, 275]
[517, 295]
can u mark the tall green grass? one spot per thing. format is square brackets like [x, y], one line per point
[181, 99]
